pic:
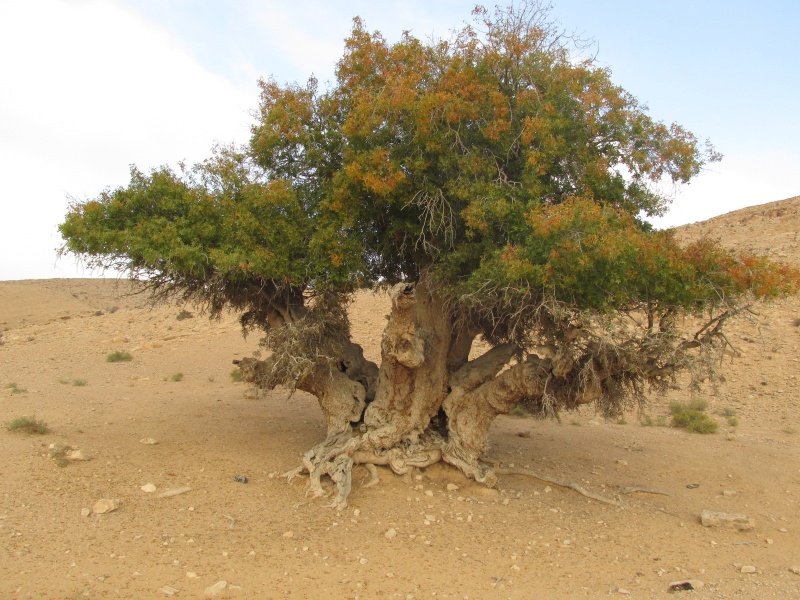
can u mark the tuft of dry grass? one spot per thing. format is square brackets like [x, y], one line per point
[29, 425]
[119, 356]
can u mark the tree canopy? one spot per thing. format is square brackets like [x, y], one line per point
[494, 174]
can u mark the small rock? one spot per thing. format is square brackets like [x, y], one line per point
[169, 590]
[547, 489]
[356, 512]
[175, 492]
[250, 394]
[524, 434]
[623, 591]
[77, 455]
[729, 493]
[429, 493]
[216, 589]
[783, 530]
[710, 518]
[730, 437]
[105, 506]
[390, 534]
[148, 441]
[363, 561]
[624, 463]
[770, 541]
[288, 534]
[85, 512]
[452, 487]
[191, 575]
[240, 478]
[686, 585]
[795, 570]
[747, 569]
[148, 487]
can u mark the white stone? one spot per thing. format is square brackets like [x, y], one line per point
[148, 487]
[709, 518]
[747, 569]
[390, 534]
[452, 487]
[77, 455]
[191, 575]
[169, 590]
[148, 441]
[288, 534]
[85, 512]
[216, 589]
[105, 506]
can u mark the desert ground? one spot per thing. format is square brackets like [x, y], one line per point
[431, 535]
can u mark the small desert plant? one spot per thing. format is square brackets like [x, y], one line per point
[184, 314]
[63, 381]
[177, 377]
[30, 425]
[79, 382]
[733, 421]
[58, 452]
[15, 389]
[692, 416]
[646, 421]
[119, 356]
[236, 375]
[797, 322]
[728, 412]
[211, 379]
[790, 430]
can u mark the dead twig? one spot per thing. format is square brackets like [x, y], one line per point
[560, 483]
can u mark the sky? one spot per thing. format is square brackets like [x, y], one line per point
[90, 87]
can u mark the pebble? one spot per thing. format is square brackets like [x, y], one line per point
[429, 493]
[356, 512]
[729, 492]
[288, 534]
[795, 570]
[191, 575]
[709, 518]
[77, 455]
[216, 589]
[452, 487]
[148, 441]
[175, 492]
[148, 487]
[363, 561]
[85, 512]
[623, 591]
[390, 534]
[169, 590]
[105, 506]
[747, 569]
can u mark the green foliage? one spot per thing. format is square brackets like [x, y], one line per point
[513, 175]
[79, 382]
[119, 356]
[177, 377]
[692, 416]
[236, 375]
[29, 425]
[14, 388]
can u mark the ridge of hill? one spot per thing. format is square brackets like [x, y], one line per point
[771, 229]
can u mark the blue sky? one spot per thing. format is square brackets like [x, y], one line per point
[92, 86]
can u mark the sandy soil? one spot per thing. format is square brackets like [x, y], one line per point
[525, 539]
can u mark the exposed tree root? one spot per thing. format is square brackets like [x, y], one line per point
[560, 483]
[632, 489]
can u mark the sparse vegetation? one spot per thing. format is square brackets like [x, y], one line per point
[184, 314]
[790, 430]
[177, 377]
[692, 416]
[58, 452]
[236, 375]
[119, 356]
[15, 389]
[29, 425]
[797, 322]
[79, 382]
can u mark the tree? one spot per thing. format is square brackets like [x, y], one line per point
[496, 186]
